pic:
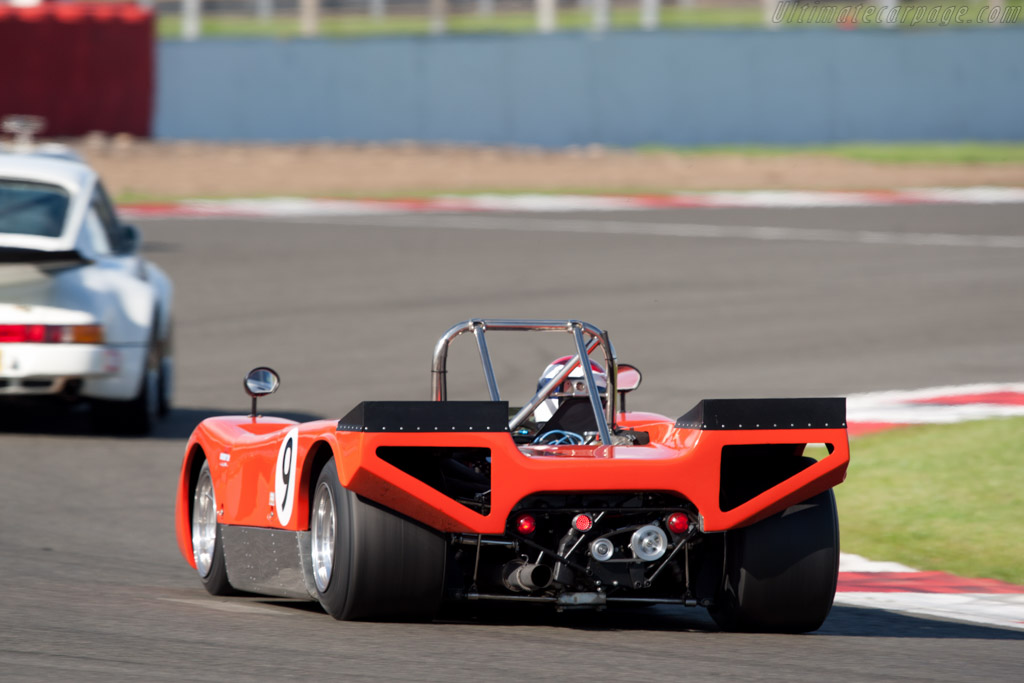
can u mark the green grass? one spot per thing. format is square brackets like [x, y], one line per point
[939, 497]
[934, 152]
[353, 24]
[883, 152]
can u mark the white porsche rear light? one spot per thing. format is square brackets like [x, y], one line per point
[51, 334]
[86, 334]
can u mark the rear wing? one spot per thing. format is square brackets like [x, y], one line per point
[426, 417]
[47, 260]
[765, 413]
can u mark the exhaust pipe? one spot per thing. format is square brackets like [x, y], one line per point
[521, 577]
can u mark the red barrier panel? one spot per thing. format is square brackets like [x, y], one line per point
[83, 67]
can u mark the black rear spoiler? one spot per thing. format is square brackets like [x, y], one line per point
[766, 413]
[426, 416]
[47, 260]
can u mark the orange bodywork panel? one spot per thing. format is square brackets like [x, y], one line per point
[246, 454]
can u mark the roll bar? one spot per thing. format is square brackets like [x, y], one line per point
[587, 338]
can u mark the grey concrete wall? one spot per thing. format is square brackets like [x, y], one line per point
[680, 88]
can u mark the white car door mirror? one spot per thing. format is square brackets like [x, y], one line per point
[131, 239]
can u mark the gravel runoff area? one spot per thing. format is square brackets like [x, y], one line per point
[140, 170]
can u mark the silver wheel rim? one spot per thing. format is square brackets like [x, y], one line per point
[204, 524]
[323, 535]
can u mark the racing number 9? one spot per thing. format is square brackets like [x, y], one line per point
[283, 476]
[286, 470]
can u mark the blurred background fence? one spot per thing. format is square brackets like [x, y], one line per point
[191, 19]
[621, 88]
[936, 71]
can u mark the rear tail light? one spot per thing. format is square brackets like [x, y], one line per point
[51, 334]
[526, 525]
[583, 522]
[678, 522]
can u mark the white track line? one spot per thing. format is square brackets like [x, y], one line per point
[688, 230]
[534, 203]
[848, 562]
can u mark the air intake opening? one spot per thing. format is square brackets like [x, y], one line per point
[751, 469]
[463, 474]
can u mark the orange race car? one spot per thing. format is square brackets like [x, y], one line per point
[402, 506]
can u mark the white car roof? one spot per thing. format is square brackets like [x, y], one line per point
[56, 165]
[72, 174]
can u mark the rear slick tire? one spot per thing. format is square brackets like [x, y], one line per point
[368, 562]
[780, 573]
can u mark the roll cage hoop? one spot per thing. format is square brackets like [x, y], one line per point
[587, 338]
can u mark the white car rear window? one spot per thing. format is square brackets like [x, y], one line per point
[28, 208]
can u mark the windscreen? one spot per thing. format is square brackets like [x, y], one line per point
[28, 208]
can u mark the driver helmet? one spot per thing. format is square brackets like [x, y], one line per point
[575, 385]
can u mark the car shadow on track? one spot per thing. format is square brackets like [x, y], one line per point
[860, 622]
[842, 621]
[75, 421]
[851, 622]
[618, 618]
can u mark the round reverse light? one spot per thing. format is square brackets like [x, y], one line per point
[677, 522]
[649, 543]
[583, 522]
[526, 524]
[602, 550]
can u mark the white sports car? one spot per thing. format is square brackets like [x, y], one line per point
[82, 315]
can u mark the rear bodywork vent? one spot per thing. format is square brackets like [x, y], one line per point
[461, 473]
[751, 469]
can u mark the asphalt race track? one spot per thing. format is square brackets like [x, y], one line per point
[707, 302]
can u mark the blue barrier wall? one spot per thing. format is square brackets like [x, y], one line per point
[681, 88]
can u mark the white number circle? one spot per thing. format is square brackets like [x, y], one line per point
[285, 477]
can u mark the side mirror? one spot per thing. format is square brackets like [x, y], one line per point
[629, 378]
[131, 239]
[261, 381]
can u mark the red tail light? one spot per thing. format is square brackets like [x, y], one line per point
[51, 334]
[526, 525]
[583, 522]
[677, 522]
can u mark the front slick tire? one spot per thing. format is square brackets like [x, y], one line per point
[780, 573]
[207, 546]
[368, 562]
